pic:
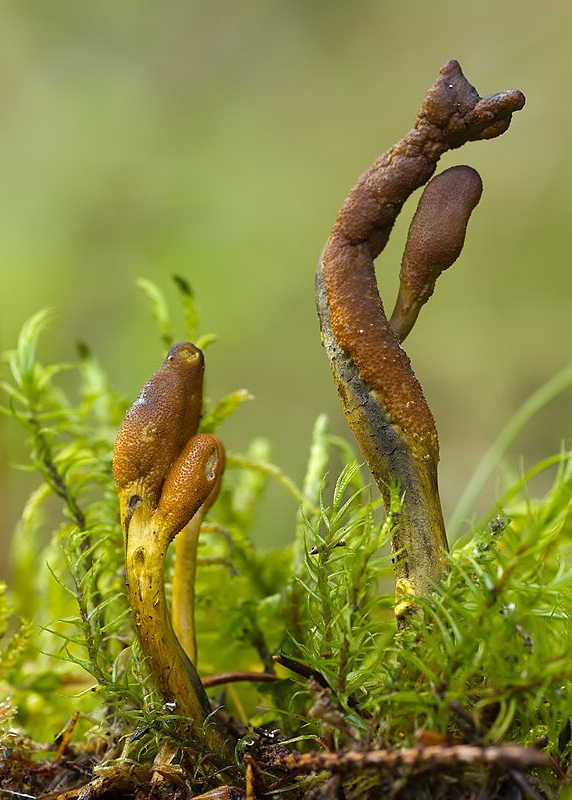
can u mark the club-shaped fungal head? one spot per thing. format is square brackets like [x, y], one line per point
[164, 416]
[193, 482]
[435, 240]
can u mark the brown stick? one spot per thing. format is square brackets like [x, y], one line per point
[437, 757]
[238, 677]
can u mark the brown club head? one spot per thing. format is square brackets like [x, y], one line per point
[435, 240]
[164, 416]
[192, 483]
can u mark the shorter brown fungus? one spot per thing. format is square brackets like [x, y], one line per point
[167, 476]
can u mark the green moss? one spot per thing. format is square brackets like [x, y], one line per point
[487, 661]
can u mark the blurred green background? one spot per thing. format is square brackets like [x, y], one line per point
[217, 140]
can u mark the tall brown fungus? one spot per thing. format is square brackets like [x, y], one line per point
[380, 394]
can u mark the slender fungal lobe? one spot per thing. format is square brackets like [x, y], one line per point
[435, 240]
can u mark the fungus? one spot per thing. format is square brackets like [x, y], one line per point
[167, 475]
[380, 394]
[204, 485]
